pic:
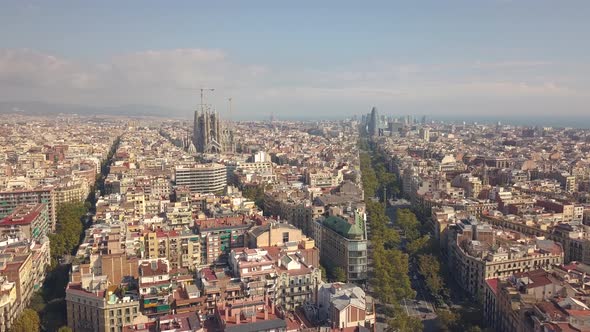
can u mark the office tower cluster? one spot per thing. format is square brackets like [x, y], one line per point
[385, 125]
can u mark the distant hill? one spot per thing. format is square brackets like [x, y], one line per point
[43, 108]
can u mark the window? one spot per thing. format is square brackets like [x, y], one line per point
[285, 237]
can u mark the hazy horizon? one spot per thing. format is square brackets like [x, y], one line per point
[183, 115]
[453, 59]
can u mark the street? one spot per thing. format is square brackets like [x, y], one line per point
[421, 307]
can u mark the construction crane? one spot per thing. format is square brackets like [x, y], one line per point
[203, 95]
[230, 120]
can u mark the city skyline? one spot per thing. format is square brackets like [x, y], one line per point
[457, 59]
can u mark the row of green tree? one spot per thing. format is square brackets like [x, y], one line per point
[47, 307]
[377, 180]
[427, 256]
[417, 244]
[424, 251]
[49, 303]
[331, 272]
[390, 281]
[256, 194]
[29, 321]
[69, 229]
[105, 165]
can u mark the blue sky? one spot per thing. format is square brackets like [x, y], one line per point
[302, 58]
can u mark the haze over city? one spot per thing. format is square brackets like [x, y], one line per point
[444, 59]
[270, 166]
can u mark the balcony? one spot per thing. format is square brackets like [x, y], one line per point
[297, 292]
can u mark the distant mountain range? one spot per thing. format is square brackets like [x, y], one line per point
[44, 108]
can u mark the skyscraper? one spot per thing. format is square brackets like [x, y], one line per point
[425, 133]
[373, 123]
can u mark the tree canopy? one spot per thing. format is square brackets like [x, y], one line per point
[409, 224]
[68, 231]
[429, 267]
[390, 280]
[402, 322]
[28, 321]
[391, 266]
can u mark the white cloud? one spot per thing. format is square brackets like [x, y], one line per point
[172, 78]
[511, 64]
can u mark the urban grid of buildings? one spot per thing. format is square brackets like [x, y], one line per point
[175, 244]
[510, 209]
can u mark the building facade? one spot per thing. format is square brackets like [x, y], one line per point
[209, 136]
[478, 252]
[202, 178]
[28, 221]
[11, 199]
[95, 306]
[344, 244]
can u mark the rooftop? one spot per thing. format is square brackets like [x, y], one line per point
[23, 214]
[343, 227]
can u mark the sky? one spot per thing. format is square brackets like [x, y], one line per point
[297, 59]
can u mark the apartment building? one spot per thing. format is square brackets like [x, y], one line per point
[74, 191]
[179, 215]
[93, 305]
[218, 287]
[293, 206]
[256, 270]
[344, 243]
[539, 300]
[252, 173]
[278, 272]
[249, 315]
[573, 238]
[323, 178]
[478, 252]
[273, 234]
[155, 287]
[297, 281]
[8, 303]
[471, 184]
[202, 178]
[11, 199]
[220, 236]
[19, 269]
[26, 221]
[571, 212]
[181, 248]
[22, 271]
